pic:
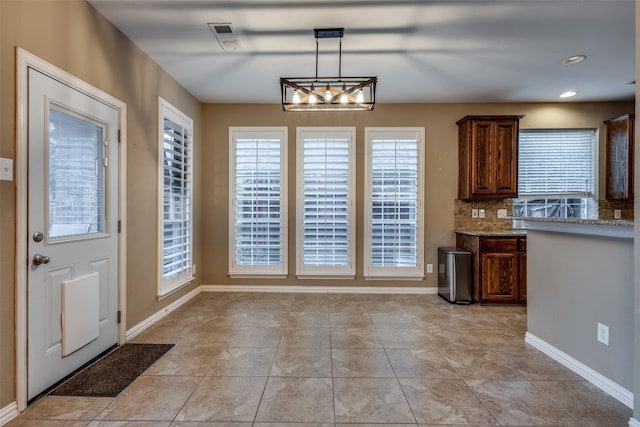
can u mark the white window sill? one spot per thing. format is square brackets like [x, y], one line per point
[326, 276]
[257, 275]
[395, 277]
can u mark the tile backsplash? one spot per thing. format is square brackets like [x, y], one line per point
[463, 215]
[606, 209]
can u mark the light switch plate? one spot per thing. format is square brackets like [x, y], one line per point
[502, 213]
[6, 169]
[617, 214]
[474, 213]
[480, 213]
[429, 268]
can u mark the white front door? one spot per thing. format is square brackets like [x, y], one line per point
[73, 230]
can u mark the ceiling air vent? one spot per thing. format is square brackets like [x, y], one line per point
[226, 35]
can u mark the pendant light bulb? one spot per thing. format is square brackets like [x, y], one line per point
[360, 96]
[312, 96]
[344, 98]
[296, 97]
[328, 94]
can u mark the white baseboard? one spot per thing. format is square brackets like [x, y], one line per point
[605, 384]
[322, 289]
[8, 413]
[633, 422]
[149, 321]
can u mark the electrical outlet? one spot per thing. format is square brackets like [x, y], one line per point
[603, 334]
[480, 213]
[429, 268]
[6, 169]
[617, 213]
[193, 269]
[502, 213]
[474, 213]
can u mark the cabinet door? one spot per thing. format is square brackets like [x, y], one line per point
[499, 277]
[505, 159]
[523, 278]
[619, 177]
[482, 168]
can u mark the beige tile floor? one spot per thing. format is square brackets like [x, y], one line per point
[261, 359]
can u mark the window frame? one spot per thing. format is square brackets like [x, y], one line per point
[279, 271]
[395, 272]
[539, 199]
[326, 272]
[166, 111]
[594, 164]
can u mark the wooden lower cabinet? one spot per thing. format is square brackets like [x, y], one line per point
[499, 277]
[500, 267]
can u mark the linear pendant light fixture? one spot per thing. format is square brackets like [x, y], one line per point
[328, 93]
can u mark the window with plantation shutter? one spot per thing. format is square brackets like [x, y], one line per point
[394, 187]
[325, 209]
[258, 209]
[175, 210]
[556, 173]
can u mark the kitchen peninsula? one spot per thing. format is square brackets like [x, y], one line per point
[580, 300]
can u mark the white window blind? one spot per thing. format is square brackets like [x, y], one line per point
[257, 229]
[326, 213]
[176, 172]
[557, 162]
[393, 198]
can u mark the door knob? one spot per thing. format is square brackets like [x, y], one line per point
[40, 259]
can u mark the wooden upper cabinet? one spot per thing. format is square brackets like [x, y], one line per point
[620, 152]
[488, 157]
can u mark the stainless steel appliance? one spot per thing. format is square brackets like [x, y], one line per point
[455, 275]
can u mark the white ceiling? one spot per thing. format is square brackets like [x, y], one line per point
[421, 51]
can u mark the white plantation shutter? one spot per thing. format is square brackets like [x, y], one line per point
[556, 162]
[394, 187]
[326, 212]
[258, 205]
[176, 200]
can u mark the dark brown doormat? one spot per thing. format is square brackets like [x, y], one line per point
[111, 374]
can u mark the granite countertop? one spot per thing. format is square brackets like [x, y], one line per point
[514, 232]
[605, 227]
[615, 228]
[608, 222]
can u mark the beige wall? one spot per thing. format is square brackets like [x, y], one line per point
[441, 168]
[73, 36]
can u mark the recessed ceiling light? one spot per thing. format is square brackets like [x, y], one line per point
[568, 94]
[574, 59]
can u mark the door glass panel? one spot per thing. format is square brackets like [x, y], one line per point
[76, 203]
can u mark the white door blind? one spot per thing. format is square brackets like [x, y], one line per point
[394, 202]
[556, 162]
[177, 180]
[325, 221]
[258, 226]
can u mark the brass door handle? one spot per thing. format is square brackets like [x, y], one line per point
[40, 259]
